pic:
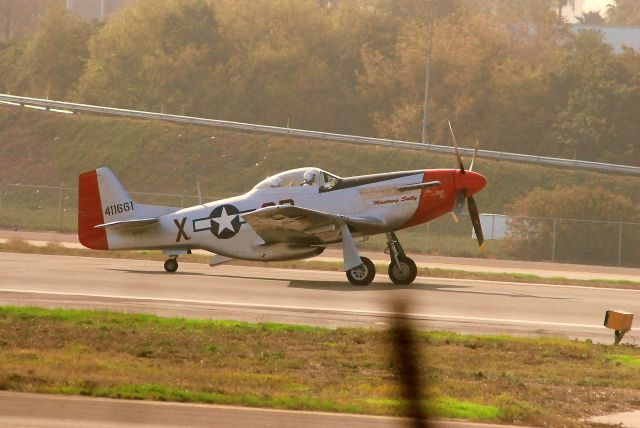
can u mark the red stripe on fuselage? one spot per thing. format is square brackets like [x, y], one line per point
[434, 201]
[90, 213]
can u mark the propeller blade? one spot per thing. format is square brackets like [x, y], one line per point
[455, 146]
[459, 204]
[475, 220]
[473, 159]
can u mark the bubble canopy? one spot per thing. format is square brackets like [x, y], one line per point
[310, 176]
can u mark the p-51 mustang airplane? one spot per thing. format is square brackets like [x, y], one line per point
[291, 215]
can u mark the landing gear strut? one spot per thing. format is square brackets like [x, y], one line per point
[402, 269]
[171, 265]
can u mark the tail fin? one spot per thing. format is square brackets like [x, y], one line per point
[102, 201]
[90, 211]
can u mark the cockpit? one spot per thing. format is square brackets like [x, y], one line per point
[313, 177]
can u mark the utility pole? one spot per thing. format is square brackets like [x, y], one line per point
[103, 10]
[7, 18]
[425, 108]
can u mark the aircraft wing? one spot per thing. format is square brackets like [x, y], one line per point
[291, 224]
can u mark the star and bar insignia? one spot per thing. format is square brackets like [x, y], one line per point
[224, 222]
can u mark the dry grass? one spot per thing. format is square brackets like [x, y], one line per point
[543, 382]
[20, 246]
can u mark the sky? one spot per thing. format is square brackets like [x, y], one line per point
[585, 6]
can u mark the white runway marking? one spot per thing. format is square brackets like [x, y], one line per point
[315, 309]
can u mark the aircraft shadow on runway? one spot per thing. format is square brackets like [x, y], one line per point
[446, 288]
[345, 286]
[158, 272]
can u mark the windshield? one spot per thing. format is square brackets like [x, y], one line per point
[329, 181]
[300, 177]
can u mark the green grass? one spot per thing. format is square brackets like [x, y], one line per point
[453, 408]
[163, 393]
[628, 360]
[492, 378]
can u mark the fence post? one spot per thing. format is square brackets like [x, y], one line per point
[620, 246]
[493, 231]
[60, 198]
[553, 248]
[426, 242]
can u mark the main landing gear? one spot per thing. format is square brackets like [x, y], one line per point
[402, 270]
[171, 265]
[362, 274]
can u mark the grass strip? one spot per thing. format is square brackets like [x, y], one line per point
[52, 248]
[627, 360]
[545, 381]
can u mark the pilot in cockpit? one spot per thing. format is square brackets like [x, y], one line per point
[275, 182]
[309, 178]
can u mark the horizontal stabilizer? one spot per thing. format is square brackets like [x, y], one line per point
[126, 224]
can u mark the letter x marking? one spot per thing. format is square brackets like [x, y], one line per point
[181, 233]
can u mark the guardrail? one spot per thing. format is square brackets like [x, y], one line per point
[353, 139]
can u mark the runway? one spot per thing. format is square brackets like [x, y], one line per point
[308, 297]
[20, 410]
[543, 269]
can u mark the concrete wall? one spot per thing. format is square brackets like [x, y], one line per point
[616, 36]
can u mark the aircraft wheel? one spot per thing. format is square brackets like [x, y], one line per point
[403, 273]
[171, 265]
[363, 274]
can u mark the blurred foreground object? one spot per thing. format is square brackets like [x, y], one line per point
[405, 357]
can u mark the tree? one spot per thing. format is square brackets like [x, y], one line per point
[154, 55]
[465, 49]
[53, 56]
[544, 217]
[19, 16]
[284, 62]
[592, 17]
[562, 4]
[295, 63]
[598, 87]
[10, 76]
[488, 77]
[418, 10]
[624, 12]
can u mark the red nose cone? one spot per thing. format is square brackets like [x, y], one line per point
[471, 181]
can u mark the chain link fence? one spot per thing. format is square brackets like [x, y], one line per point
[613, 243]
[55, 208]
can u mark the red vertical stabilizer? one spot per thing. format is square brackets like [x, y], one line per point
[90, 212]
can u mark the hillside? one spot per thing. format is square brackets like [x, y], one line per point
[50, 149]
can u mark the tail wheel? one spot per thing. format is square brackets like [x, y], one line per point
[404, 272]
[171, 265]
[362, 274]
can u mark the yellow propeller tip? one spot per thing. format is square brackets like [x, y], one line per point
[484, 244]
